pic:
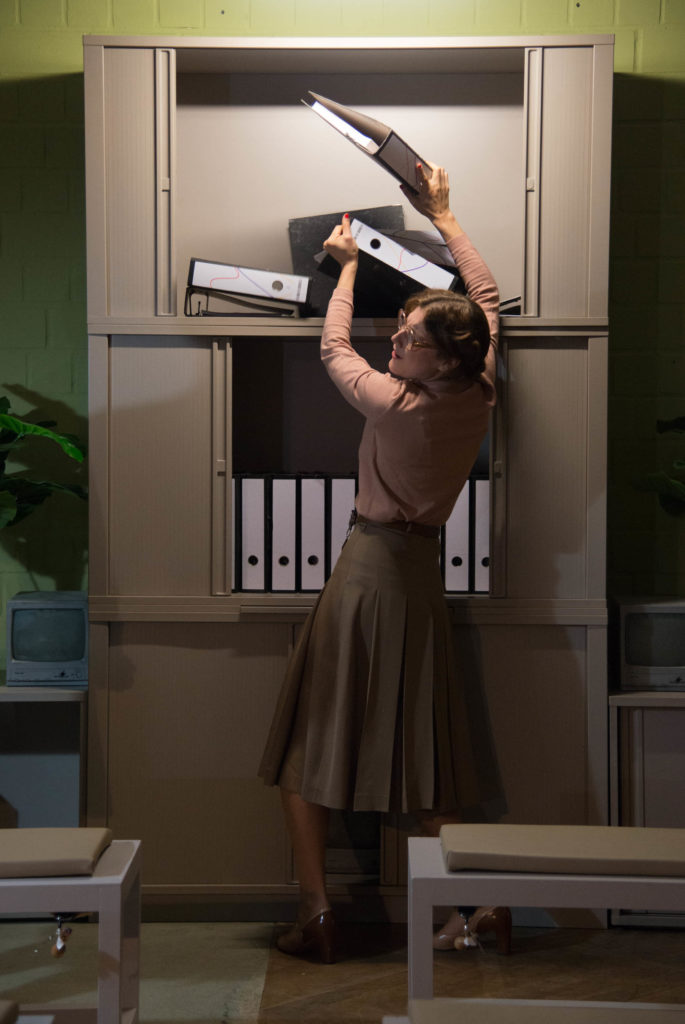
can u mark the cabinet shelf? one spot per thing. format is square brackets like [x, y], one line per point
[243, 607]
[41, 694]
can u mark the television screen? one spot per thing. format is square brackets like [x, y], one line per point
[48, 634]
[47, 638]
[655, 638]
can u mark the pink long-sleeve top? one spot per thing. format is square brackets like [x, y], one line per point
[421, 438]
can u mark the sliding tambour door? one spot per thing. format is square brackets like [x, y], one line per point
[567, 173]
[190, 705]
[166, 498]
[554, 422]
[130, 113]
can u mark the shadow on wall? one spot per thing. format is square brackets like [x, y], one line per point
[42, 314]
[51, 544]
[647, 330]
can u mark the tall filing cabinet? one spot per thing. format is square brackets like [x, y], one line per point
[200, 147]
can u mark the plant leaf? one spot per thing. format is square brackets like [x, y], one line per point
[29, 494]
[8, 508]
[23, 429]
[671, 492]
[677, 425]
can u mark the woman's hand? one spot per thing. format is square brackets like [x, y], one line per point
[433, 200]
[342, 246]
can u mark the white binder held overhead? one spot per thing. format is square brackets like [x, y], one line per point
[372, 137]
[401, 259]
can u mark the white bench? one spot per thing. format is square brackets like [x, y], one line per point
[537, 866]
[81, 871]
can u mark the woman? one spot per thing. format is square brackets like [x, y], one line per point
[371, 715]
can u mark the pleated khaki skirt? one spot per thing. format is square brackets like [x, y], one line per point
[373, 715]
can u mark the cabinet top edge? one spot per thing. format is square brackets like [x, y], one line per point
[335, 54]
[347, 42]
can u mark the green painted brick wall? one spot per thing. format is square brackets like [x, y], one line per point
[42, 277]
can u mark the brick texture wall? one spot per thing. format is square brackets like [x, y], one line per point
[42, 301]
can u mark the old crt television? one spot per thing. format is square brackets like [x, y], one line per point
[47, 638]
[652, 644]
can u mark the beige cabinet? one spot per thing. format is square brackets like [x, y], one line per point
[647, 752]
[200, 148]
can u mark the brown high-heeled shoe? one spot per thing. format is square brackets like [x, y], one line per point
[318, 936]
[484, 921]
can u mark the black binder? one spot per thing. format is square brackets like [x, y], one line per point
[307, 235]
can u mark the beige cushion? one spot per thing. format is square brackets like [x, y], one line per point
[505, 1011]
[9, 1011]
[565, 849]
[47, 852]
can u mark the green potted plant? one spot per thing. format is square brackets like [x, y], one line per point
[20, 495]
[669, 489]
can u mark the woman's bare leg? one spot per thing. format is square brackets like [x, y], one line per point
[307, 825]
[457, 921]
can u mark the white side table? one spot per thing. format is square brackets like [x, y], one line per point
[113, 892]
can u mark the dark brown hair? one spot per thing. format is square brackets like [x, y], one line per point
[457, 325]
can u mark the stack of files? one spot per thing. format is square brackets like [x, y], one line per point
[466, 541]
[307, 235]
[289, 530]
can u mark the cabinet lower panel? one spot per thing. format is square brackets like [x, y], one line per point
[180, 713]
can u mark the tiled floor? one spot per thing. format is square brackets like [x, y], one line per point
[233, 974]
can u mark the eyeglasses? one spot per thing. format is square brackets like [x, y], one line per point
[412, 341]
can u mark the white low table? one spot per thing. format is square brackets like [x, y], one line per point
[112, 892]
[432, 885]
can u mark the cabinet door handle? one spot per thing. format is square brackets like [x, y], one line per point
[165, 147]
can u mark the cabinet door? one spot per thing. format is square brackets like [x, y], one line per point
[568, 156]
[130, 113]
[190, 706]
[160, 506]
[552, 418]
[652, 767]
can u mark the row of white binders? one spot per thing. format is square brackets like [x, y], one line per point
[289, 531]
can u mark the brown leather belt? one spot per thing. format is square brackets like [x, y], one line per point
[402, 526]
